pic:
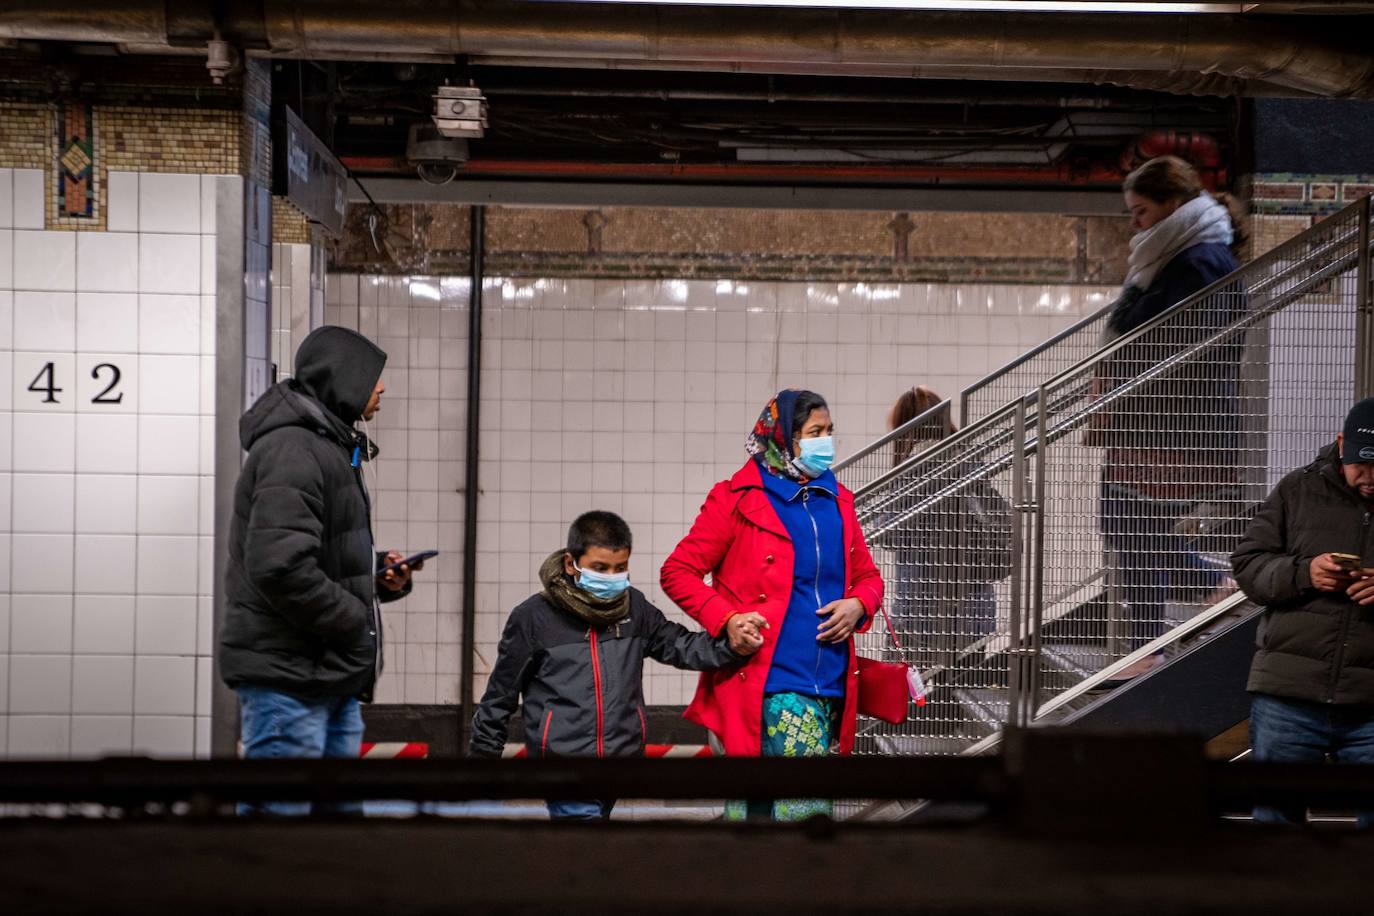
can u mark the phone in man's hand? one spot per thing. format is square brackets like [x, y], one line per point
[1348, 562]
[409, 561]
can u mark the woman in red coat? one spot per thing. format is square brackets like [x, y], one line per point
[780, 538]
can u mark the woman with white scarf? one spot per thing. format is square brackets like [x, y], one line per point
[1167, 452]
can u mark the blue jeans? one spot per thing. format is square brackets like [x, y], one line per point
[277, 725]
[1299, 731]
[580, 810]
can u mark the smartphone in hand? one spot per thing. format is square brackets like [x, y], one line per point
[409, 561]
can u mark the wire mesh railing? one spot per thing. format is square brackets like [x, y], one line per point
[1093, 513]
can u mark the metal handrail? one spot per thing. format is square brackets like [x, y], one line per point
[1276, 253]
[1026, 357]
[924, 416]
[1065, 425]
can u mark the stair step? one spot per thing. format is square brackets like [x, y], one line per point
[988, 706]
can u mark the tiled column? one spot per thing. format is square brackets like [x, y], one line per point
[108, 339]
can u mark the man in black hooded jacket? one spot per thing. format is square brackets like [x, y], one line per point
[301, 641]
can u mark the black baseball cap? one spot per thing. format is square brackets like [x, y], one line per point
[1359, 434]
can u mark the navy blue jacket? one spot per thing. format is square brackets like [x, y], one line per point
[812, 518]
[1187, 409]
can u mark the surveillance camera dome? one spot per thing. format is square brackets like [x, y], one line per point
[436, 158]
[436, 172]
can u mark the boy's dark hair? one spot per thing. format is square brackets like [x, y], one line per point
[598, 529]
[806, 402]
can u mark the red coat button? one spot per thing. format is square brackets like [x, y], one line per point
[762, 597]
[768, 559]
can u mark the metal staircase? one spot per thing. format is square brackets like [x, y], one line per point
[1128, 473]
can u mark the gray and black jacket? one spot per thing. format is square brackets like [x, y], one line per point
[1316, 646]
[300, 585]
[583, 685]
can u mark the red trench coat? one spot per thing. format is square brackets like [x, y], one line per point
[739, 539]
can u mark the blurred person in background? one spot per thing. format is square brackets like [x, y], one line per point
[1172, 445]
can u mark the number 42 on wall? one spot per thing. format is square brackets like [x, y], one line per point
[45, 384]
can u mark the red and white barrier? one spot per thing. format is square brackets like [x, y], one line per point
[650, 750]
[394, 750]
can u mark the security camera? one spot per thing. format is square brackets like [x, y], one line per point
[436, 158]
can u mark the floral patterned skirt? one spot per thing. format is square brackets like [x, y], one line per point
[794, 725]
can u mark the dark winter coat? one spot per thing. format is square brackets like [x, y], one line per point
[583, 685]
[300, 582]
[1313, 645]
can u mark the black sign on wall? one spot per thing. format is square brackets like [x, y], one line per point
[306, 173]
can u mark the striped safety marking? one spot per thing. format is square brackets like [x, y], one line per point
[394, 750]
[650, 750]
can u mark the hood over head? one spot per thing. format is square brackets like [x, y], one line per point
[339, 368]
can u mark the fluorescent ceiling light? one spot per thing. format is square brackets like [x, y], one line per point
[994, 6]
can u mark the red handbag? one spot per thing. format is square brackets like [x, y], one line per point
[886, 687]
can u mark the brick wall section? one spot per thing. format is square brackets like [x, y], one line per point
[289, 225]
[659, 243]
[127, 139]
[25, 136]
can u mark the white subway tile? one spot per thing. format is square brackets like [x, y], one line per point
[121, 193]
[44, 442]
[104, 624]
[6, 198]
[169, 324]
[105, 564]
[167, 565]
[168, 505]
[39, 737]
[168, 444]
[169, 737]
[39, 684]
[209, 186]
[40, 623]
[44, 321]
[6, 259]
[29, 210]
[45, 260]
[107, 383]
[107, 322]
[43, 503]
[107, 262]
[169, 202]
[169, 263]
[107, 444]
[169, 385]
[166, 625]
[103, 684]
[164, 685]
[102, 736]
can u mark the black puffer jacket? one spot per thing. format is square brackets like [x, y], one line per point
[300, 585]
[1313, 645]
[583, 685]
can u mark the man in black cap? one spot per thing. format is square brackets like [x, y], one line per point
[301, 642]
[1307, 557]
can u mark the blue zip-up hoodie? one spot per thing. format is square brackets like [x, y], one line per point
[811, 516]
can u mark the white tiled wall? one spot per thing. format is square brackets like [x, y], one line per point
[106, 505]
[297, 301]
[634, 397]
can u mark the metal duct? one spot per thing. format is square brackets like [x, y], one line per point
[1293, 53]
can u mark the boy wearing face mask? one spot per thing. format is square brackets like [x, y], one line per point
[575, 653]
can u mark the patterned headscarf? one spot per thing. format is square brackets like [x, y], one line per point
[771, 441]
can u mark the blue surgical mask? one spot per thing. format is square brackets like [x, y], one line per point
[817, 455]
[602, 585]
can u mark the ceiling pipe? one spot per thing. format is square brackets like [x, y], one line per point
[1064, 173]
[1194, 84]
[1292, 54]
